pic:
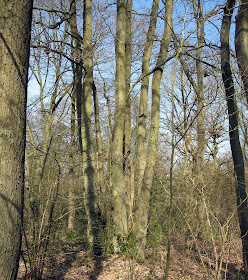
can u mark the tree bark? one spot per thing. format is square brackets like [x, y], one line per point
[140, 163]
[142, 211]
[118, 183]
[77, 67]
[71, 206]
[87, 140]
[15, 29]
[199, 158]
[199, 155]
[241, 42]
[101, 188]
[127, 162]
[237, 155]
[128, 51]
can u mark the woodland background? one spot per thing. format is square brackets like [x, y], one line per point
[130, 110]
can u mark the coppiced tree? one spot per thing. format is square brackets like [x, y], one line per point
[15, 27]
[140, 162]
[142, 203]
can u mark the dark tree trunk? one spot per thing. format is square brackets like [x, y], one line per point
[237, 155]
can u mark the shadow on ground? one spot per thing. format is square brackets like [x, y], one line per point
[59, 264]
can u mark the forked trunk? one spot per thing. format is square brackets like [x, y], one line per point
[142, 207]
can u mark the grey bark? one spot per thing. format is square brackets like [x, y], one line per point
[142, 209]
[142, 118]
[241, 42]
[15, 26]
[118, 183]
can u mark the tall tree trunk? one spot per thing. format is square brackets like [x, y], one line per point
[241, 42]
[142, 211]
[76, 66]
[199, 158]
[237, 155]
[15, 26]
[76, 98]
[127, 162]
[100, 184]
[87, 140]
[118, 183]
[199, 155]
[71, 205]
[140, 163]
[128, 51]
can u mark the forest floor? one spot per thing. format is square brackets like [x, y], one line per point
[69, 262]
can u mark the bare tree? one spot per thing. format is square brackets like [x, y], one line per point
[142, 211]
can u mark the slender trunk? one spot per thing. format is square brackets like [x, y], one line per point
[71, 205]
[118, 183]
[184, 127]
[15, 29]
[241, 42]
[76, 55]
[76, 66]
[199, 158]
[142, 211]
[100, 184]
[128, 51]
[89, 170]
[141, 131]
[199, 155]
[237, 155]
[127, 163]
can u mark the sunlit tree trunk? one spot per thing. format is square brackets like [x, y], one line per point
[128, 51]
[237, 155]
[199, 158]
[89, 170]
[141, 156]
[241, 42]
[15, 26]
[76, 98]
[76, 66]
[118, 182]
[199, 155]
[142, 211]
